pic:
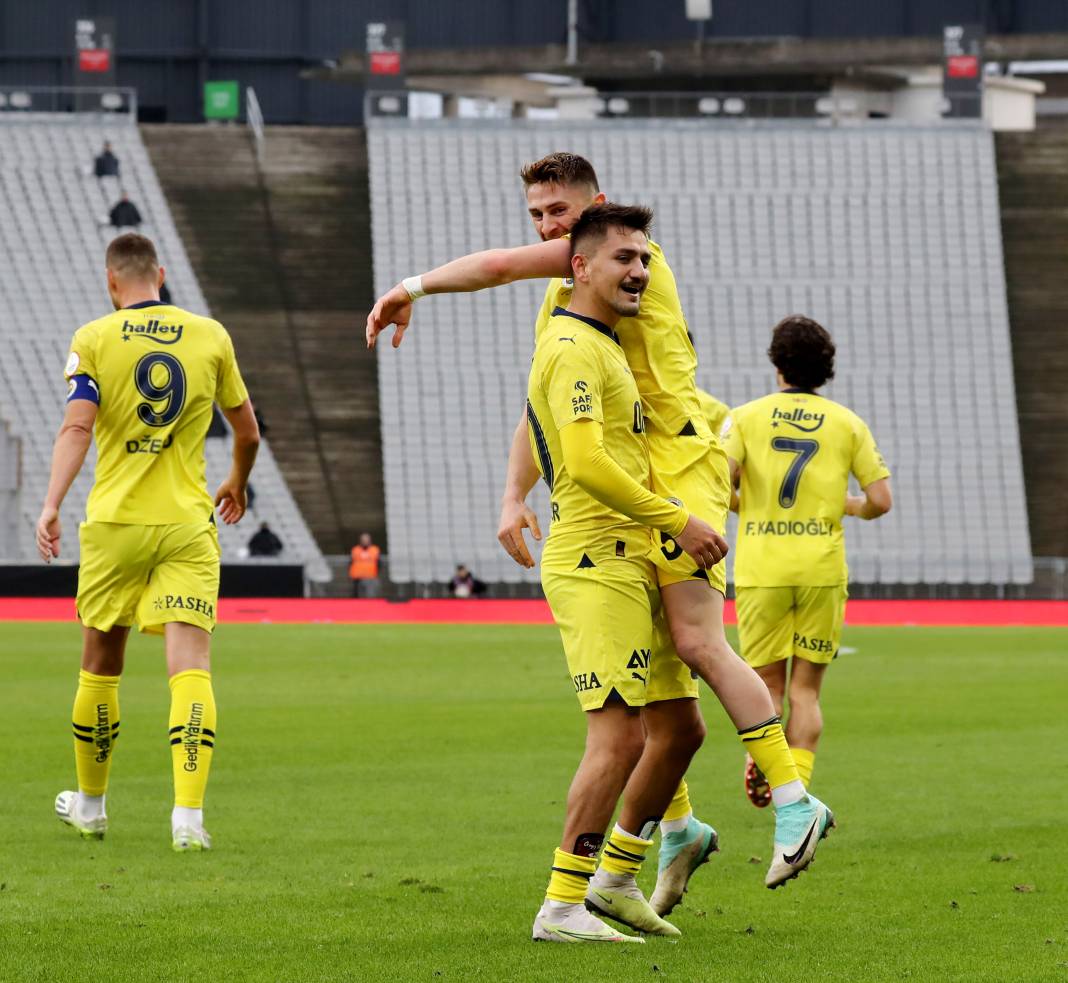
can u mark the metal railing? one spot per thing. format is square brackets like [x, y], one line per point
[254, 118]
[114, 102]
[815, 106]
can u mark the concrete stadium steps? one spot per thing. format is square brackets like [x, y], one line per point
[284, 258]
[1033, 188]
[53, 212]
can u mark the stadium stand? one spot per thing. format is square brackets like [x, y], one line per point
[887, 234]
[51, 281]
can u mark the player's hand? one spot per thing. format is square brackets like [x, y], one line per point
[706, 546]
[231, 500]
[854, 504]
[47, 534]
[515, 517]
[394, 307]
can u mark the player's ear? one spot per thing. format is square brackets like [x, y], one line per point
[161, 277]
[599, 199]
[580, 268]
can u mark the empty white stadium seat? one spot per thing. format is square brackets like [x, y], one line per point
[52, 281]
[889, 235]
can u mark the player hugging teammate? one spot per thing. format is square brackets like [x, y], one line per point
[688, 466]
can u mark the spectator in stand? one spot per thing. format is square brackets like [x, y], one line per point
[465, 584]
[124, 214]
[264, 543]
[106, 164]
[363, 568]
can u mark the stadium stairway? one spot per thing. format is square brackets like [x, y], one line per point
[283, 257]
[1033, 188]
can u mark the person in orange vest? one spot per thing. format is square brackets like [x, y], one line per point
[363, 570]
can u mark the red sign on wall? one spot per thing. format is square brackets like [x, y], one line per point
[962, 67]
[385, 63]
[94, 60]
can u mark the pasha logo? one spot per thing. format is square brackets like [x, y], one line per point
[799, 419]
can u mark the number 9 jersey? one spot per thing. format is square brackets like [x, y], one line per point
[796, 451]
[155, 370]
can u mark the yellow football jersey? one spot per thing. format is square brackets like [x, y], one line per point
[579, 373]
[796, 450]
[715, 412]
[657, 348]
[155, 371]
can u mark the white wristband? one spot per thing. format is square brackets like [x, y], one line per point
[414, 286]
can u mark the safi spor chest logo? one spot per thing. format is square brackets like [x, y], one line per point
[799, 419]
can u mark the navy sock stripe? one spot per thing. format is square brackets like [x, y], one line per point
[574, 873]
[767, 723]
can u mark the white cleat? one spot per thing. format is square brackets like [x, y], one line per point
[620, 899]
[189, 839]
[67, 811]
[799, 827]
[558, 922]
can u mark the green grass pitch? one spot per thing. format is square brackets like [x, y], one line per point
[385, 801]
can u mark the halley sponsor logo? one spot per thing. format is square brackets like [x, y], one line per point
[193, 731]
[800, 419]
[162, 334]
[168, 602]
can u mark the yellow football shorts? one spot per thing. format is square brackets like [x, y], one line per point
[148, 575]
[701, 481]
[775, 623]
[606, 603]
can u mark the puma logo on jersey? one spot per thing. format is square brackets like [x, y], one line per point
[154, 331]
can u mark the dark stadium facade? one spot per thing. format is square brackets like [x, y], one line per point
[168, 50]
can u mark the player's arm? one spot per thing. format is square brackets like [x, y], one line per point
[232, 496]
[736, 481]
[597, 474]
[876, 501]
[516, 515]
[476, 271]
[68, 455]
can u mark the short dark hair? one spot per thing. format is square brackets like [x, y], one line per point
[593, 224]
[802, 350]
[132, 254]
[560, 168]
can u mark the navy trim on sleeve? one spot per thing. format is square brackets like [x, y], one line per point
[83, 387]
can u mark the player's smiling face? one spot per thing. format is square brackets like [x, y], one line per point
[555, 208]
[617, 272]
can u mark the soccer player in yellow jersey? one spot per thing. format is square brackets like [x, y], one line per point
[688, 464]
[587, 431]
[793, 452]
[142, 382]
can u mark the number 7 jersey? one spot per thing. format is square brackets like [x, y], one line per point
[155, 370]
[796, 451]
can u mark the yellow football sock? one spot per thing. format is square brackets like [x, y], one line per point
[624, 853]
[192, 734]
[680, 807]
[96, 728]
[570, 877]
[766, 744]
[805, 760]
